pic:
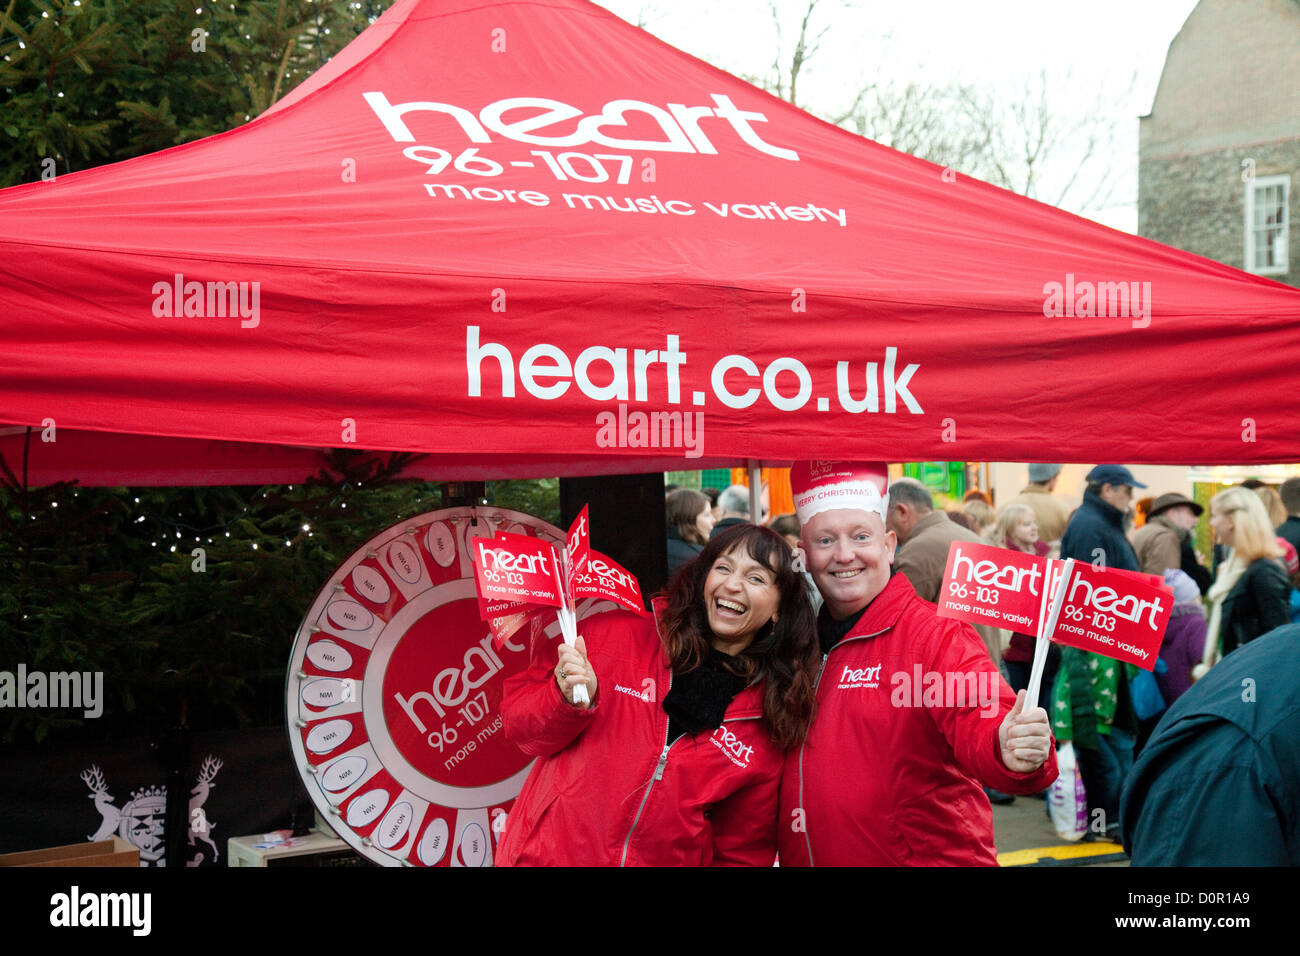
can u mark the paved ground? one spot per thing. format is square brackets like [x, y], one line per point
[1023, 825]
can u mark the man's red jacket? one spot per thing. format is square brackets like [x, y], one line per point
[908, 710]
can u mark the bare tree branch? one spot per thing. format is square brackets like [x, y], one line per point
[1020, 138]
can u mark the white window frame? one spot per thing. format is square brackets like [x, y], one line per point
[1262, 182]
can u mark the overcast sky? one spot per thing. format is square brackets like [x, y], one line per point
[1090, 50]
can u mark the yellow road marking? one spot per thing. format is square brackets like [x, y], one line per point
[1069, 851]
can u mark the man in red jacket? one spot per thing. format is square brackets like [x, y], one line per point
[912, 716]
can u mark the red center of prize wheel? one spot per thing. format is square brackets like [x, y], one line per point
[442, 698]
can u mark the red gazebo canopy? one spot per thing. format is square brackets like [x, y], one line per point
[501, 233]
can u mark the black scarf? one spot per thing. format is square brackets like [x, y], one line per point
[698, 699]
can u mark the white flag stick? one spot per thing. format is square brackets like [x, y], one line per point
[569, 628]
[1046, 628]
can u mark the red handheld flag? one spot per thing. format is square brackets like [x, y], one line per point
[995, 586]
[1119, 615]
[516, 568]
[1155, 580]
[604, 578]
[579, 546]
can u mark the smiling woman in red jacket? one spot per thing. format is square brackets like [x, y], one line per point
[677, 760]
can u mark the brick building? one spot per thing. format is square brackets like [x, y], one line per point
[1219, 153]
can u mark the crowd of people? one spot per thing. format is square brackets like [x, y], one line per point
[756, 713]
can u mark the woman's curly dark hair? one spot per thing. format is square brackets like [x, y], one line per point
[784, 656]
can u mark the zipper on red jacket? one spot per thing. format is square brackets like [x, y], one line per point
[659, 767]
[658, 775]
[817, 683]
[663, 760]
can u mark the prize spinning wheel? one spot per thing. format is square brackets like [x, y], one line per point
[394, 695]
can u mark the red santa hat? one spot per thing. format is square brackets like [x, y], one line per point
[827, 485]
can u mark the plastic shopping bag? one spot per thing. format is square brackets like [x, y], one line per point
[1066, 801]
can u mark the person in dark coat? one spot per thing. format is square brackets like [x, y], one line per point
[1099, 521]
[1219, 781]
[690, 520]
[1092, 703]
[1290, 528]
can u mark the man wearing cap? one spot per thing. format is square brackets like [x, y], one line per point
[1165, 541]
[1050, 513]
[1098, 524]
[912, 716]
[1092, 707]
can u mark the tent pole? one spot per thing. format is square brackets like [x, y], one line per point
[755, 491]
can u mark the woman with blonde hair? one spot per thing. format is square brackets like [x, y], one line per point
[1016, 527]
[1250, 595]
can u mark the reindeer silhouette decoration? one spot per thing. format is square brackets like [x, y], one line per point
[200, 827]
[141, 820]
[94, 779]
